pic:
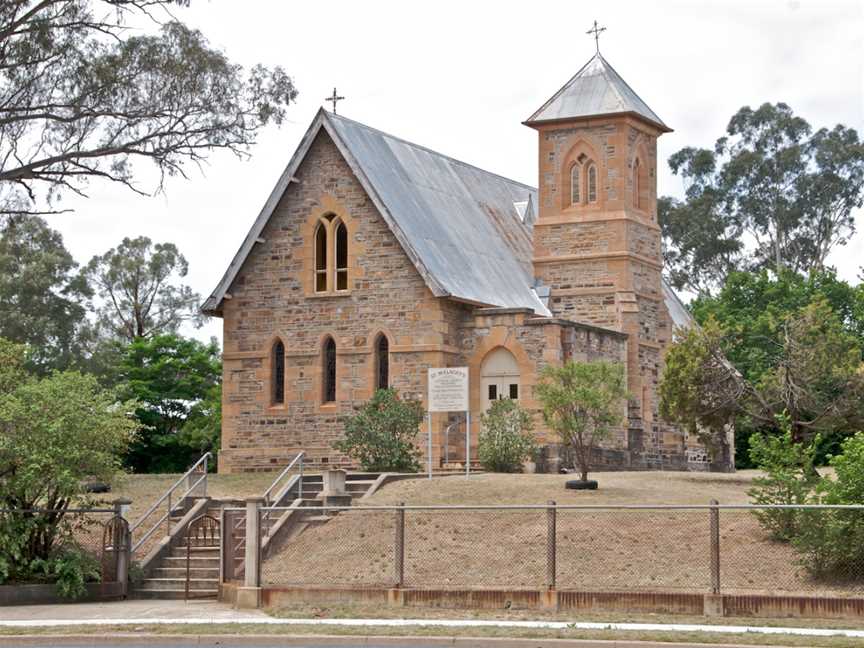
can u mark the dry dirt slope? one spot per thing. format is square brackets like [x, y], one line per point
[596, 550]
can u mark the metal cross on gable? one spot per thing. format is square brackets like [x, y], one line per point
[596, 30]
[334, 98]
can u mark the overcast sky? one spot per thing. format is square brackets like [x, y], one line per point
[460, 77]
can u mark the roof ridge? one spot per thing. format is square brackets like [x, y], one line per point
[582, 97]
[562, 88]
[629, 87]
[428, 150]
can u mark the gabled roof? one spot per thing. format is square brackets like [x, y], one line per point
[596, 89]
[456, 223]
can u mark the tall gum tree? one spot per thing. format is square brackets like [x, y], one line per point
[82, 96]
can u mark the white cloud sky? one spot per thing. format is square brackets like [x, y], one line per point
[460, 77]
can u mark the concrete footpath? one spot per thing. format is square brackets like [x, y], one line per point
[132, 611]
[137, 614]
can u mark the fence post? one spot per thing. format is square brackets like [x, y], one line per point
[714, 513]
[399, 555]
[249, 596]
[551, 545]
[224, 538]
[122, 544]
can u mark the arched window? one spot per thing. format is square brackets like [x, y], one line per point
[636, 188]
[382, 362]
[575, 185]
[592, 183]
[277, 373]
[329, 382]
[341, 256]
[321, 258]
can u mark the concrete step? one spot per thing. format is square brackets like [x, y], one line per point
[358, 486]
[175, 594]
[317, 519]
[150, 584]
[194, 561]
[196, 552]
[361, 476]
[180, 572]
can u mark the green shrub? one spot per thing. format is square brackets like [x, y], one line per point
[506, 438]
[831, 542]
[70, 568]
[790, 479]
[382, 435]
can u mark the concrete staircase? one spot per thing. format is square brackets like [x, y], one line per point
[167, 578]
[165, 575]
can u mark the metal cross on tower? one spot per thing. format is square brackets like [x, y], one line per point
[334, 98]
[596, 30]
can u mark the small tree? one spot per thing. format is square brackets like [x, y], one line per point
[790, 478]
[582, 402]
[506, 439]
[382, 435]
[55, 433]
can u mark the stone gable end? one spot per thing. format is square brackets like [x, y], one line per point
[272, 298]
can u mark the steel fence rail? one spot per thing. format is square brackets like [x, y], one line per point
[707, 548]
[577, 507]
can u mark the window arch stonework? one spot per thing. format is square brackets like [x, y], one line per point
[578, 189]
[330, 252]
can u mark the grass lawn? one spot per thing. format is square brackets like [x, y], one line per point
[252, 630]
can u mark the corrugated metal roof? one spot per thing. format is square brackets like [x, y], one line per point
[459, 220]
[455, 221]
[596, 89]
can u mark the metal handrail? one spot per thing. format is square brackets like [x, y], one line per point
[282, 474]
[285, 471]
[168, 496]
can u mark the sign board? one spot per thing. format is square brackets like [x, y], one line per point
[448, 389]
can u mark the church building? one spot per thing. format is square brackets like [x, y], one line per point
[375, 259]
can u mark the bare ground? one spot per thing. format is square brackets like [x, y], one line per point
[657, 550]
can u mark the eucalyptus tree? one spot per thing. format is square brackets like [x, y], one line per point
[772, 193]
[88, 87]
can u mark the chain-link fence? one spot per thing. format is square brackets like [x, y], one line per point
[585, 548]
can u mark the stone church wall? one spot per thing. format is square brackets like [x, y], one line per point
[271, 299]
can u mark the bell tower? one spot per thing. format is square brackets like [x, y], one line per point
[596, 239]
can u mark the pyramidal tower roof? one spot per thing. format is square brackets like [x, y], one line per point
[596, 89]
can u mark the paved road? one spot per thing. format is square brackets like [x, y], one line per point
[342, 642]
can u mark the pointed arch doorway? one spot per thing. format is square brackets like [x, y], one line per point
[499, 377]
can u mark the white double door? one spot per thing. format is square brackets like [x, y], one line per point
[499, 377]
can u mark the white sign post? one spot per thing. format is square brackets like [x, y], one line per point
[448, 392]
